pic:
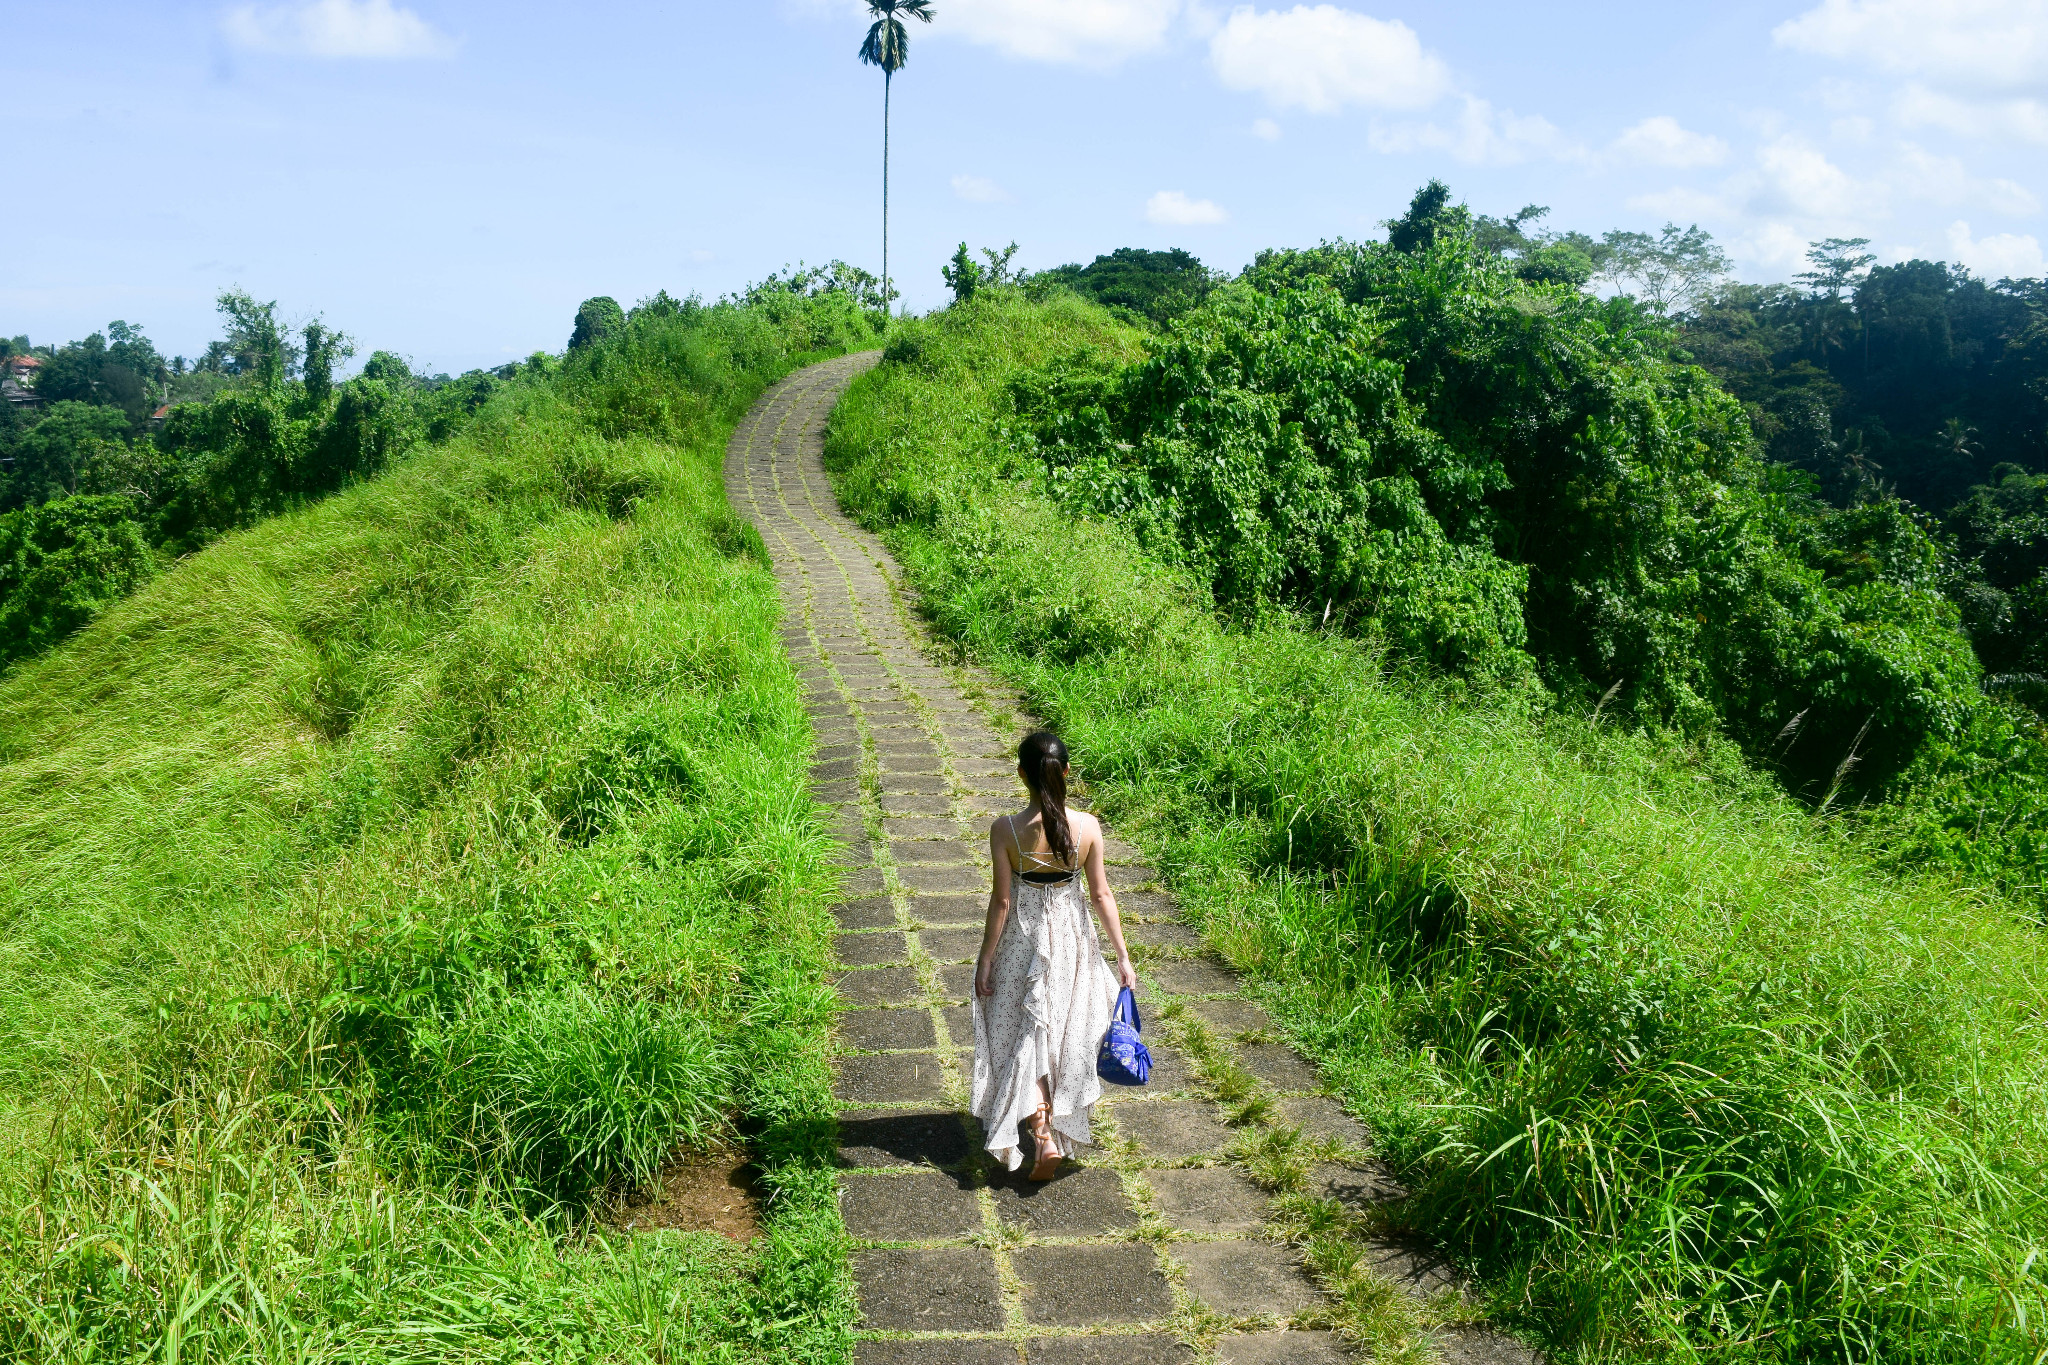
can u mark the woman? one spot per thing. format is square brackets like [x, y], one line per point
[1042, 993]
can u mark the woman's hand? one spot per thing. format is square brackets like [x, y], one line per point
[1126, 974]
[985, 976]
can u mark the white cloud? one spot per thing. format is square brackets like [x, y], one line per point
[1080, 32]
[1924, 176]
[1799, 179]
[2024, 120]
[1480, 135]
[979, 189]
[336, 28]
[1265, 129]
[2004, 255]
[1171, 208]
[1681, 204]
[1660, 141]
[1967, 44]
[1322, 58]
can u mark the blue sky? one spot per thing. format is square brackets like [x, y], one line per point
[448, 179]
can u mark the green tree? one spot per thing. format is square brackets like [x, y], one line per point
[256, 340]
[1156, 285]
[888, 46]
[965, 275]
[64, 562]
[323, 348]
[1670, 272]
[50, 459]
[596, 319]
[1839, 264]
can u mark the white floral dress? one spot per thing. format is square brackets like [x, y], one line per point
[1053, 995]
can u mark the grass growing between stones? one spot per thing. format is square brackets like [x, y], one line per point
[1667, 1060]
[390, 888]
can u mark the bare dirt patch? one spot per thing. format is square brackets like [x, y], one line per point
[708, 1192]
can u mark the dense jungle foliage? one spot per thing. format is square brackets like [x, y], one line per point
[125, 461]
[1514, 482]
[392, 886]
[1681, 1069]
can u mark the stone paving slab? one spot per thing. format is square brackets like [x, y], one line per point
[1148, 1348]
[1210, 1199]
[1319, 1116]
[1173, 1130]
[950, 945]
[869, 912]
[890, 1078]
[1357, 1186]
[879, 986]
[1279, 1066]
[1246, 1278]
[1231, 1017]
[917, 1206]
[941, 1351]
[1194, 978]
[944, 1289]
[1282, 1348]
[1079, 1202]
[915, 1137]
[888, 1030]
[869, 950]
[910, 912]
[1082, 1286]
[969, 910]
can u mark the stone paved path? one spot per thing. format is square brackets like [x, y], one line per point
[1156, 1238]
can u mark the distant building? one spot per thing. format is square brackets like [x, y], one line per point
[15, 393]
[23, 367]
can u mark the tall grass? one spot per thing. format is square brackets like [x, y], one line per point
[391, 884]
[1668, 1060]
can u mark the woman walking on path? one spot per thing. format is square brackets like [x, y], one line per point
[1042, 993]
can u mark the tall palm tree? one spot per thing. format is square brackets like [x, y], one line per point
[888, 46]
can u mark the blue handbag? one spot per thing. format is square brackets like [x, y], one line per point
[1122, 1059]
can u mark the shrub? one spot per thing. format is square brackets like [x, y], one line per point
[63, 562]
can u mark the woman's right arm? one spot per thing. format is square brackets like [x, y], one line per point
[998, 911]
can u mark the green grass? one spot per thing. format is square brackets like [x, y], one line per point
[1675, 1065]
[391, 885]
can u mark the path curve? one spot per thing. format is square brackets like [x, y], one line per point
[1152, 1239]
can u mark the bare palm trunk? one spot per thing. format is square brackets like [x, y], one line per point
[887, 77]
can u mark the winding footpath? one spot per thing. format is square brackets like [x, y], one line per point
[1152, 1240]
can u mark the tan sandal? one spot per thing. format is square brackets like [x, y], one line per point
[1048, 1163]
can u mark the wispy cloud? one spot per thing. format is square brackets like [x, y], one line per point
[2003, 255]
[1966, 44]
[1479, 135]
[1970, 67]
[1172, 208]
[979, 189]
[375, 29]
[1072, 32]
[1323, 59]
[1661, 141]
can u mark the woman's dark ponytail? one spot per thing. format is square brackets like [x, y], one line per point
[1043, 758]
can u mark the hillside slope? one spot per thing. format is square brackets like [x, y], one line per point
[390, 884]
[1669, 1060]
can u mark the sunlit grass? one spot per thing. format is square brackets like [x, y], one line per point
[389, 886]
[1669, 1060]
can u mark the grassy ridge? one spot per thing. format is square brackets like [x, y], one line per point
[1667, 1059]
[409, 875]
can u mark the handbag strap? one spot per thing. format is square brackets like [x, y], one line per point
[1127, 1008]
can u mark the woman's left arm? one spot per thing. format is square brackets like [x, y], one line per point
[1105, 910]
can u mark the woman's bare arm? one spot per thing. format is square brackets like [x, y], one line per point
[1105, 906]
[998, 909]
